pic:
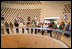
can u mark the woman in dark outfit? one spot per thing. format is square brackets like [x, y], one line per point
[52, 26]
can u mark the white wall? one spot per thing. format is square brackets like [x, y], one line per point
[53, 8]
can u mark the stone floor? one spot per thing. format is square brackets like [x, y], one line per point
[63, 38]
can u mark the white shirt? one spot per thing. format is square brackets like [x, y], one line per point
[45, 26]
[37, 22]
[21, 25]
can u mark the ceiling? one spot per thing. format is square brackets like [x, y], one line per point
[22, 2]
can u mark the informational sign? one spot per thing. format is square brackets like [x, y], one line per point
[51, 19]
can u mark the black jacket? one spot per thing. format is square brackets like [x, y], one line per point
[16, 24]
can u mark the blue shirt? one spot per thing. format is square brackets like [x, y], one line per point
[20, 20]
[67, 27]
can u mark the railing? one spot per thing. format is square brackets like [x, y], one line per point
[57, 30]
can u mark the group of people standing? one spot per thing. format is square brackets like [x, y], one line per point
[6, 26]
[62, 26]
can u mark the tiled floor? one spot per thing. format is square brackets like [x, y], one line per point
[63, 38]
